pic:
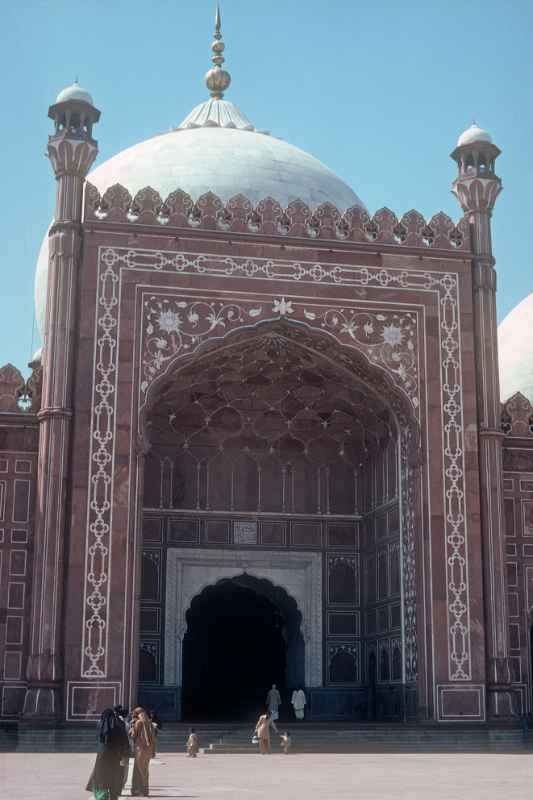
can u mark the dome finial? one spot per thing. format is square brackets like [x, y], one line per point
[217, 79]
[218, 23]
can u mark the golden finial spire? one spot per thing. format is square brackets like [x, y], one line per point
[217, 79]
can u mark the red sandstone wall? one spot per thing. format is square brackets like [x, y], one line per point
[18, 462]
[112, 358]
[518, 506]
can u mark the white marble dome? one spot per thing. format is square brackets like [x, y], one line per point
[74, 92]
[226, 161]
[473, 134]
[217, 149]
[515, 351]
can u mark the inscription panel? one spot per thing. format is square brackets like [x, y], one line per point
[245, 532]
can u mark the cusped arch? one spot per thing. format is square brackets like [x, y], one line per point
[277, 594]
[288, 577]
[280, 600]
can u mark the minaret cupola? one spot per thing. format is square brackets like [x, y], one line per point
[74, 112]
[71, 147]
[477, 185]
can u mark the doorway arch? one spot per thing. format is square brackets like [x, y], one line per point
[292, 582]
[243, 634]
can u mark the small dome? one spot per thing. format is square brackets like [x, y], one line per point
[515, 346]
[74, 92]
[473, 134]
[37, 356]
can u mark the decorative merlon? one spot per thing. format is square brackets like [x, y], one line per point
[11, 388]
[16, 394]
[269, 218]
[517, 416]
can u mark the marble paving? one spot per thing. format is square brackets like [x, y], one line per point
[385, 776]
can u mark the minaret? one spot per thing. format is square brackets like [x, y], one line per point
[72, 150]
[477, 187]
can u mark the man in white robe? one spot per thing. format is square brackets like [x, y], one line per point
[298, 701]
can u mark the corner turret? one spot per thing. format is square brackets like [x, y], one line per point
[477, 186]
[71, 148]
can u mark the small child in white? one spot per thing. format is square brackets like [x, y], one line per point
[193, 744]
[286, 742]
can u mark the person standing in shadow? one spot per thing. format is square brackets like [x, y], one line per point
[273, 702]
[299, 701]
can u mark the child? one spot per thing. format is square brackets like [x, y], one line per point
[193, 745]
[286, 742]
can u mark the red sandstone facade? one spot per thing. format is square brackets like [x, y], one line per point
[360, 430]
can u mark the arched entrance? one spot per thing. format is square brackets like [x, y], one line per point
[279, 445]
[243, 634]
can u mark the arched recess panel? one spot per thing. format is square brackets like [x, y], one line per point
[268, 443]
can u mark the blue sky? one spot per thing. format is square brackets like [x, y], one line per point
[378, 92]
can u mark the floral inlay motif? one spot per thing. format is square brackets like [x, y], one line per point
[392, 335]
[176, 325]
[168, 321]
[282, 307]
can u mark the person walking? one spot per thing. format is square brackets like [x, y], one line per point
[193, 744]
[143, 736]
[262, 731]
[107, 778]
[299, 701]
[273, 702]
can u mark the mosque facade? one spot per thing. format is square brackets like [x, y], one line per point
[264, 440]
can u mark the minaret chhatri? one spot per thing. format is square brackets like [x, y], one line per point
[476, 187]
[72, 151]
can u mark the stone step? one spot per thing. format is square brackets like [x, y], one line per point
[306, 738]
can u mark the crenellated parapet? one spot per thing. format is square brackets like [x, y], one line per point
[269, 218]
[517, 416]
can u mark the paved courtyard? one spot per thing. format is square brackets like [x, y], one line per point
[26, 776]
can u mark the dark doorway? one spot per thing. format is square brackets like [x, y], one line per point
[235, 648]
